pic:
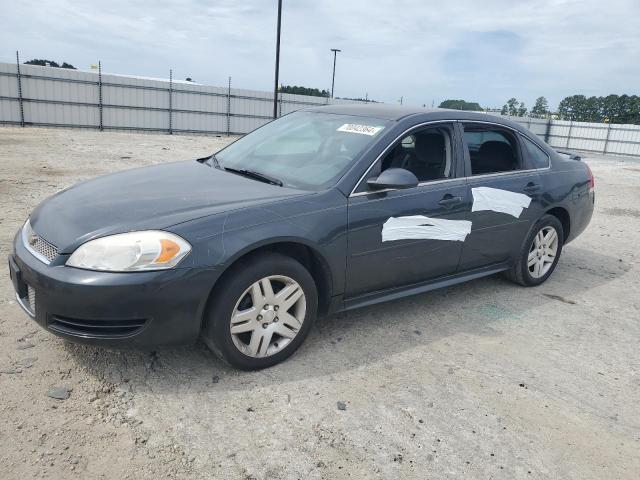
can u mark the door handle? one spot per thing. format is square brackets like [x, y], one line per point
[532, 187]
[449, 201]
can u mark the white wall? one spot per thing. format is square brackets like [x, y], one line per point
[590, 137]
[69, 98]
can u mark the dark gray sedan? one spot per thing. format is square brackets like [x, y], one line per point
[322, 210]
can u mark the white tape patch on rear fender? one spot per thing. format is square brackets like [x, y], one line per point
[418, 227]
[497, 200]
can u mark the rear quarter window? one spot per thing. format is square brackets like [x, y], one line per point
[537, 157]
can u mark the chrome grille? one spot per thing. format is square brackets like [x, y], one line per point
[44, 248]
[31, 295]
[28, 302]
[37, 245]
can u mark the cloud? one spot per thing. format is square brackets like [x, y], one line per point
[422, 50]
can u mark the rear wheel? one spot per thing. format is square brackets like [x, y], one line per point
[261, 312]
[539, 254]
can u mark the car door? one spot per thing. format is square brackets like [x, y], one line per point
[402, 237]
[504, 191]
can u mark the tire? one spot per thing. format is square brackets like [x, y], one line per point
[234, 297]
[521, 272]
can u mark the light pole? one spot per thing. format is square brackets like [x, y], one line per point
[333, 78]
[275, 88]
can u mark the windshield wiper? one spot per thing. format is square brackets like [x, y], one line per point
[255, 175]
[215, 161]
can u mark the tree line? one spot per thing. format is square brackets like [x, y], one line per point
[49, 63]
[579, 108]
[514, 108]
[609, 109]
[314, 92]
[461, 105]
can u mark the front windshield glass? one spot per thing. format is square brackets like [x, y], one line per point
[306, 150]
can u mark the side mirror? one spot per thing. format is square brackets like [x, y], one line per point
[395, 178]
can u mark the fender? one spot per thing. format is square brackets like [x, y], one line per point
[220, 240]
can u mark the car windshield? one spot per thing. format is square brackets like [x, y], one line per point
[306, 150]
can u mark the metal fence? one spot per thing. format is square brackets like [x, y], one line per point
[57, 97]
[605, 138]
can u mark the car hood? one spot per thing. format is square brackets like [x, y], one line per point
[154, 197]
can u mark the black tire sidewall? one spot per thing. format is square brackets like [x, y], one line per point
[216, 333]
[545, 221]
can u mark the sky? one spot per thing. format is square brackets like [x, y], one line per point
[421, 50]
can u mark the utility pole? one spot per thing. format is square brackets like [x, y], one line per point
[333, 78]
[275, 88]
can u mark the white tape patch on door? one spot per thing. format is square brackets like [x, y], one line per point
[418, 227]
[497, 200]
[361, 129]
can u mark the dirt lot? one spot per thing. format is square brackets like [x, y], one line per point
[482, 380]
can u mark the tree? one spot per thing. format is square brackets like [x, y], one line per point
[592, 110]
[565, 110]
[634, 110]
[42, 63]
[522, 110]
[461, 105]
[609, 108]
[49, 63]
[511, 107]
[628, 109]
[573, 108]
[540, 108]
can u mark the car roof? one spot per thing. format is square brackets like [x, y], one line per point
[375, 110]
[397, 112]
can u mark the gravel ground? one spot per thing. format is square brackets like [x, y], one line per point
[482, 380]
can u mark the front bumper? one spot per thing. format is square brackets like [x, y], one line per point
[138, 309]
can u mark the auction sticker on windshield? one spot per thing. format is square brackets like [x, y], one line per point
[362, 129]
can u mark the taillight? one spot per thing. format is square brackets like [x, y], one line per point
[592, 181]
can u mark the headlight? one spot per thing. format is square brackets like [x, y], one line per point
[129, 252]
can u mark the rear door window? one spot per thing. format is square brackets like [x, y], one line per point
[491, 149]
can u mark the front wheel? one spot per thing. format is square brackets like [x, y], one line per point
[539, 254]
[261, 311]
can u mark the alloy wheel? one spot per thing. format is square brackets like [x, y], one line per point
[543, 251]
[268, 316]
